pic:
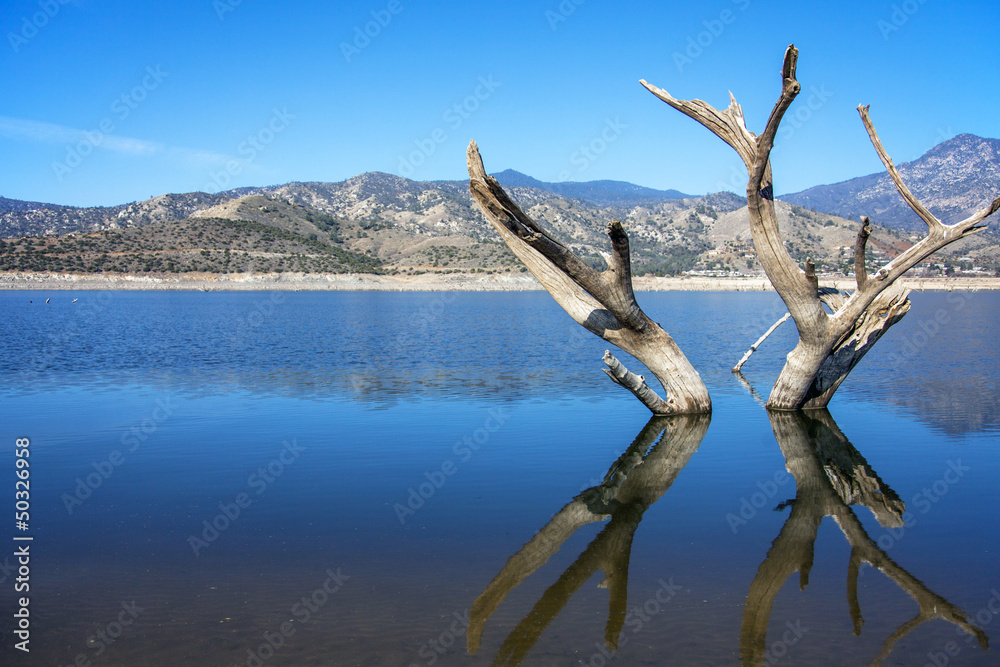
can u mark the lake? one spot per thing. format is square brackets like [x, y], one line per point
[449, 478]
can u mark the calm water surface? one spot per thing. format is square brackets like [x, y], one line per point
[418, 479]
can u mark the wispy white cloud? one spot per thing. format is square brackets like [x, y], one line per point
[30, 130]
[50, 133]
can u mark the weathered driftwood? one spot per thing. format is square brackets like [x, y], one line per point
[601, 301]
[830, 476]
[830, 344]
[636, 480]
[753, 348]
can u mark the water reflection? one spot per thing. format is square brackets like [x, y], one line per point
[633, 483]
[381, 349]
[830, 476]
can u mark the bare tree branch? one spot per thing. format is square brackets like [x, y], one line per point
[635, 384]
[789, 91]
[830, 345]
[938, 235]
[860, 270]
[602, 302]
[728, 125]
[918, 208]
[498, 206]
[757, 343]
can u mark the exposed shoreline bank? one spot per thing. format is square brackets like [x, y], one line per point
[428, 282]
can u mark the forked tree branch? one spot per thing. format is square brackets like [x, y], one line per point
[603, 302]
[765, 143]
[729, 125]
[914, 203]
[828, 344]
[494, 200]
[938, 234]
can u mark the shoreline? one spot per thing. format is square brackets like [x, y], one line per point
[427, 282]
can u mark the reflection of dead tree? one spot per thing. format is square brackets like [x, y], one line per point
[637, 479]
[830, 343]
[602, 302]
[830, 475]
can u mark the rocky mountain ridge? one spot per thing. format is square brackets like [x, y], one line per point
[953, 179]
[378, 221]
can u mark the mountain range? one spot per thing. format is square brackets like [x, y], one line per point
[382, 222]
[953, 179]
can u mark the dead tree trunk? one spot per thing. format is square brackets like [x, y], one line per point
[830, 345]
[601, 302]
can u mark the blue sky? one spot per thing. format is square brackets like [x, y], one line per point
[108, 102]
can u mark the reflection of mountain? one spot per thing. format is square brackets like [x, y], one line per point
[376, 349]
[954, 408]
[939, 363]
[955, 405]
[636, 480]
[830, 476]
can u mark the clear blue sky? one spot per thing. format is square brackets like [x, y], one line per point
[109, 102]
